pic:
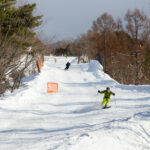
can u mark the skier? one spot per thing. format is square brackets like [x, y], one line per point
[107, 93]
[65, 55]
[67, 65]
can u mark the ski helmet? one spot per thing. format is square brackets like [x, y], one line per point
[108, 88]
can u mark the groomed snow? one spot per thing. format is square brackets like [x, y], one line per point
[72, 119]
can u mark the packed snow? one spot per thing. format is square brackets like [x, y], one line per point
[72, 119]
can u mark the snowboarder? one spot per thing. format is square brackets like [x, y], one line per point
[67, 65]
[107, 93]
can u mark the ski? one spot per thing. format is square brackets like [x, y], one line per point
[106, 107]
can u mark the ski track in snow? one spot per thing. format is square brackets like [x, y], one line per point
[32, 119]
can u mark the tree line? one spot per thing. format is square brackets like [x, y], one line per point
[122, 46]
[19, 46]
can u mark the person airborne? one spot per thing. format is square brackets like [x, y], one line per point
[106, 99]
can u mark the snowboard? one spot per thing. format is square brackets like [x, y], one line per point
[106, 107]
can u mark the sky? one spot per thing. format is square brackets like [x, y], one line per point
[65, 19]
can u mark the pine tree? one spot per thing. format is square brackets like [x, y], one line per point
[6, 3]
[17, 20]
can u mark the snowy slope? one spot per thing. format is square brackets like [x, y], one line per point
[32, 119]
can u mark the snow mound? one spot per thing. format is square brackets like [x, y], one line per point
[72, 119]
[94, 66]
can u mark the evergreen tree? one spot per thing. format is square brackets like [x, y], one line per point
[5, 7]
[17, 20]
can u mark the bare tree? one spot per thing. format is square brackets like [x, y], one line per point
[119, 25]
[145, 36]
[136, 22]
[103, 25]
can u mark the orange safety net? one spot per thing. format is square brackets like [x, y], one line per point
[40, 63]
[52, 87]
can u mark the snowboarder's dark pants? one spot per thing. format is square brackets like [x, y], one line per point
[67, 67]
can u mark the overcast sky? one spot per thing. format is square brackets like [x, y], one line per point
[70, 18]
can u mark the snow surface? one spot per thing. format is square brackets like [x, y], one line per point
[72, 119]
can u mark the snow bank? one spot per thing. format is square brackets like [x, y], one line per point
[72, 119]
[94, 66]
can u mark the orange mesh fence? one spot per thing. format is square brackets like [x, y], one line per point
[41, 60]
[52, 87]
[40, 63]
[55, 60]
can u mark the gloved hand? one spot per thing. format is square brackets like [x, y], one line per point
[99, 91]
[113, 94]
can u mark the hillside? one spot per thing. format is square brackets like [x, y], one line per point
[72, 119]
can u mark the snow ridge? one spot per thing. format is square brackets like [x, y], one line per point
[72, 119]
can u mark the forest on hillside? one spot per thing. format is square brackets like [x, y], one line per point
[19, 45]
[122, 46]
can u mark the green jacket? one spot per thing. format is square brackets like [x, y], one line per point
[106, 93]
